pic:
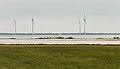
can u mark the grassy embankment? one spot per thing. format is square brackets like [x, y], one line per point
[59, 57]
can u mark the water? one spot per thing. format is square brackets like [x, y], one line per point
[21, 39]
[54, 41]
[74, 36]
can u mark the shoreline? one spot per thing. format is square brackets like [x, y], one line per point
[114, 40]
[61, 39]
[59, 45]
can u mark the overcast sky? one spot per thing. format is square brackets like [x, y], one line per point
[60, 15]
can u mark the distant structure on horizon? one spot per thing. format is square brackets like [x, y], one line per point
[84, 24]
[33, 23]
[79, 27]
[15, 25]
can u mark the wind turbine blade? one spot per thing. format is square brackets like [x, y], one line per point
[33, 14]
[85, 18]
[14, 20]
[14, 24]
[79, 21]
[84, 15]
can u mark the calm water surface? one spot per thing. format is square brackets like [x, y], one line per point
[74, 36]
[56, 41]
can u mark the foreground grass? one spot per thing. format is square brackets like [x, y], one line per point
[59, 57]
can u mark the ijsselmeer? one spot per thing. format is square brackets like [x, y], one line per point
[59, 34]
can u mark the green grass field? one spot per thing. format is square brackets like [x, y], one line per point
[59, 57]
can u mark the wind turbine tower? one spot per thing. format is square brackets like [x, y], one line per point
[33, 23]
[79, 27]
[15, 25]
[85, 24]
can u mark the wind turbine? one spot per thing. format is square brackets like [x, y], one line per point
[85, 24]
[33, 23]
[15, 25]
[79, 26]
